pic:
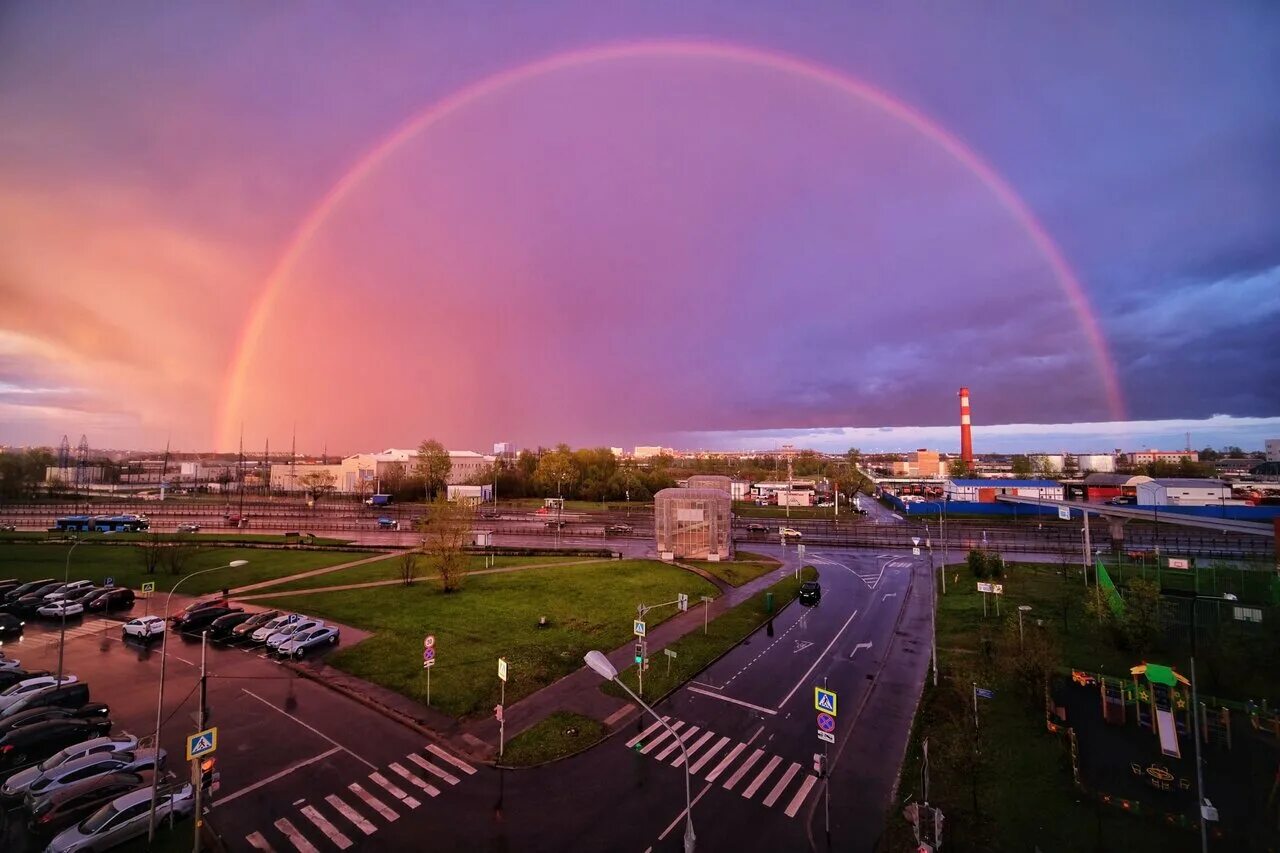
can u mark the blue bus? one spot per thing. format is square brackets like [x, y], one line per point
[101, 523]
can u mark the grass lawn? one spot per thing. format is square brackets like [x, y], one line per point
[123, 563]
[563, 733]
[526, 504]
[248, 538]
[389, 569]
[588, 606]
[695, 651]
[749, 510]
[734, 572]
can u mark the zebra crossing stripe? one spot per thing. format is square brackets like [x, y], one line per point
[798, 799]
[322, 823]
[432, 769]
[301, 844]
[372, 801]
[394, 790]
[450, 759]
[764, 774]
[782, 784]
[723, 765]
[707, 756]
[662, 735]
[257, 842]
[431, 790]
[742, 771]
[674, 745]
[351, 815]
[694, 747]
[644, 734]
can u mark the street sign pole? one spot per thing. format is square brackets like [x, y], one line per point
[502, 702]
[195, 762]
[706, 610]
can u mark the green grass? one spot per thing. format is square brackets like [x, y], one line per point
[735, 572]
[588, 606]
[389, 569]
[561, 734]
[744, 509]
[123, 563]
[696, 650]
[248, 538]
[525, 504]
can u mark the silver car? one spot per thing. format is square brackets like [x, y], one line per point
[89, 766]
[262, 634]
[274, 641]
[122, 819]
[17, 784]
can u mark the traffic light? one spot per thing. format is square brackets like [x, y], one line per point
[639, 651]
[209, 775]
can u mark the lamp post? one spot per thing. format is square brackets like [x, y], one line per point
[164, 641]
[600, 666]
[62, 630]
[1022, 608]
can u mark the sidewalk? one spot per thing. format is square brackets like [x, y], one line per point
[274, 581]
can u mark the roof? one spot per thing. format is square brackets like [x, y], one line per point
[1007, 484]
[692, 494]
[1098, 479]
[1188, 483]
[1159, 674]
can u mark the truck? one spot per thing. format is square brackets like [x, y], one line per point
[378, 500]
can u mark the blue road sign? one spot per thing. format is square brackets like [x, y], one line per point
[985, 693]
[826, 722]
[109, 582]
[639, 628]
[824, 700]
[202, 743]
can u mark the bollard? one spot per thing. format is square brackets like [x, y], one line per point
[768, 602]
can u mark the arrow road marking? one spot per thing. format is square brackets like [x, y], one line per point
[858, 647]
[889, 595]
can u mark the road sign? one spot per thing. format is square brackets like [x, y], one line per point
[148, 588]
[669, 652]
[827, 736]
[826, 722]
[109, 582]
[682, 601]
[915, 540]
[429, 642]
[202, 743]
[997, 589]
[915, 552]
[1064, 513]
[984, 587]
[824, 700]
[800, 551]
[1179, 563]
[639, 627]
[502, 668]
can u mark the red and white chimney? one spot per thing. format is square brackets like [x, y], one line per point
[966, 434]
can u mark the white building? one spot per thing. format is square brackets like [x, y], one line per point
[1096, 463]
[1184, 492]
[985, 491]
[361, 472]
[1049, 461]
[1273, 449]
[471, 494]
[648, 452]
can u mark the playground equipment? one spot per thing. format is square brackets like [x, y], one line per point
[1162, 703]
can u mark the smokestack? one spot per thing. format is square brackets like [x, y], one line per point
[966, 434]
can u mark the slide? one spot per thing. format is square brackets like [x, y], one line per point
[1168, 733]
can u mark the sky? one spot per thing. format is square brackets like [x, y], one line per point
[693, 224]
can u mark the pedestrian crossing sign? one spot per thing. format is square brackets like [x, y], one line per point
[824, 700]
[202, 743]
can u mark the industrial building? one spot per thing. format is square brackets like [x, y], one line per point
[1184, 492]
[711, 481]
[693, 524]
[470, 494]
[1102, 463]
[985, 491]
[920, 463]
[1146, 457]
[362, 471]
[1100, 487]
[1273, 449]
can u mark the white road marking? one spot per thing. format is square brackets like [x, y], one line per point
[394, 790]
[728, 759]
[801, 645]
[372, 802]
[310, 728]
[889, 595]
[706, 756]
[331, 832]
[619, 714]
[762, 653]
[662, 735]
[692, 748]
[256, 841]
[816, 661]
[351, 815]
[644, 734]
[782, 784]
[858, 648]
[764, 774]
[432, 769]
[431, 790]
[798, 799]
[734, 701]
[454, 760]
[742, 770]
[222, 801]
[301, 844]
[683, 812]
[674, 745]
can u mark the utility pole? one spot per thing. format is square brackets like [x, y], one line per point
[942, 531]
[195, 762]
[1087, 547]
[240, 473]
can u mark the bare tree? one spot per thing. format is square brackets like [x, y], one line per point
[408, 567]
[446, 531]
[152, 553]
[177, 555]
[318, 483]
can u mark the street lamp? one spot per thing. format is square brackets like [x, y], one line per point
[164, 641]
[66, 579]
[600, 666]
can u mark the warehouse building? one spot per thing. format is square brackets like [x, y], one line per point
[986, 491]
[1183, 492]
[1099, 488]
[692, 524]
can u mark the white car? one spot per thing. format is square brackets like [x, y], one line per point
[90, 767]
[58, 609]
[122, 819]
[789, 532]
[144, 627]
[188, 527]
[18, 784]
[264, 633]
[68, 589]
[299, 643]
[281, 636]
[9, 663]
[17, 692]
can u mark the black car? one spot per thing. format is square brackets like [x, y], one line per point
[92, 711]
[32, 744]
[757, 528]
[107, 600]
[810, 593]
[29, 586]
[221, 628]
[10, 625]
[619, 529]
[67, 696]
[7, 585]
[203, 617]
[253, 623]
[193, 608]
[60, 809]
[10, 677]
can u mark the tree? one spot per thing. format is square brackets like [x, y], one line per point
[433, 465]
[1070, 465]
[152, 553]
[959, 469]
[556, 472]
[446, 531]
[1020, 464]
[319, 483]
[1140, 625]
[408, 566]
[177, 555]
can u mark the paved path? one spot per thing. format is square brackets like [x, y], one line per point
[274, 581]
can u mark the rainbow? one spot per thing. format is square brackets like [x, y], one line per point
[310, 226]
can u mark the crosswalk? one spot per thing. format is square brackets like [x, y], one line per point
[343, 819]
[734, 765]
[76, 627]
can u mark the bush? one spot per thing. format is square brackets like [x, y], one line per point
[978, 564]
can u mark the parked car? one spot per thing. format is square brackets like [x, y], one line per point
[756, 527]
[789, 533]
[300, 643]
[18, 784]
[246, 628]
[31, 744]
[143, 628]
[10, 625]
[10, 677]
[271, 626]
[67, 696]
[61, 609]
[8, 528]
[60, 809]
[29, 586]
[28, 602]
[8, 663]
[188, 527]
[68, 590]
[8, 584]
[220, 628]
[107, 600]
[275, 640]
[92, 711]
[192, 608]
[89, 766]
[203, 617]
[619, 529]
[122, 819]
[28, 686]
[810, 593]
